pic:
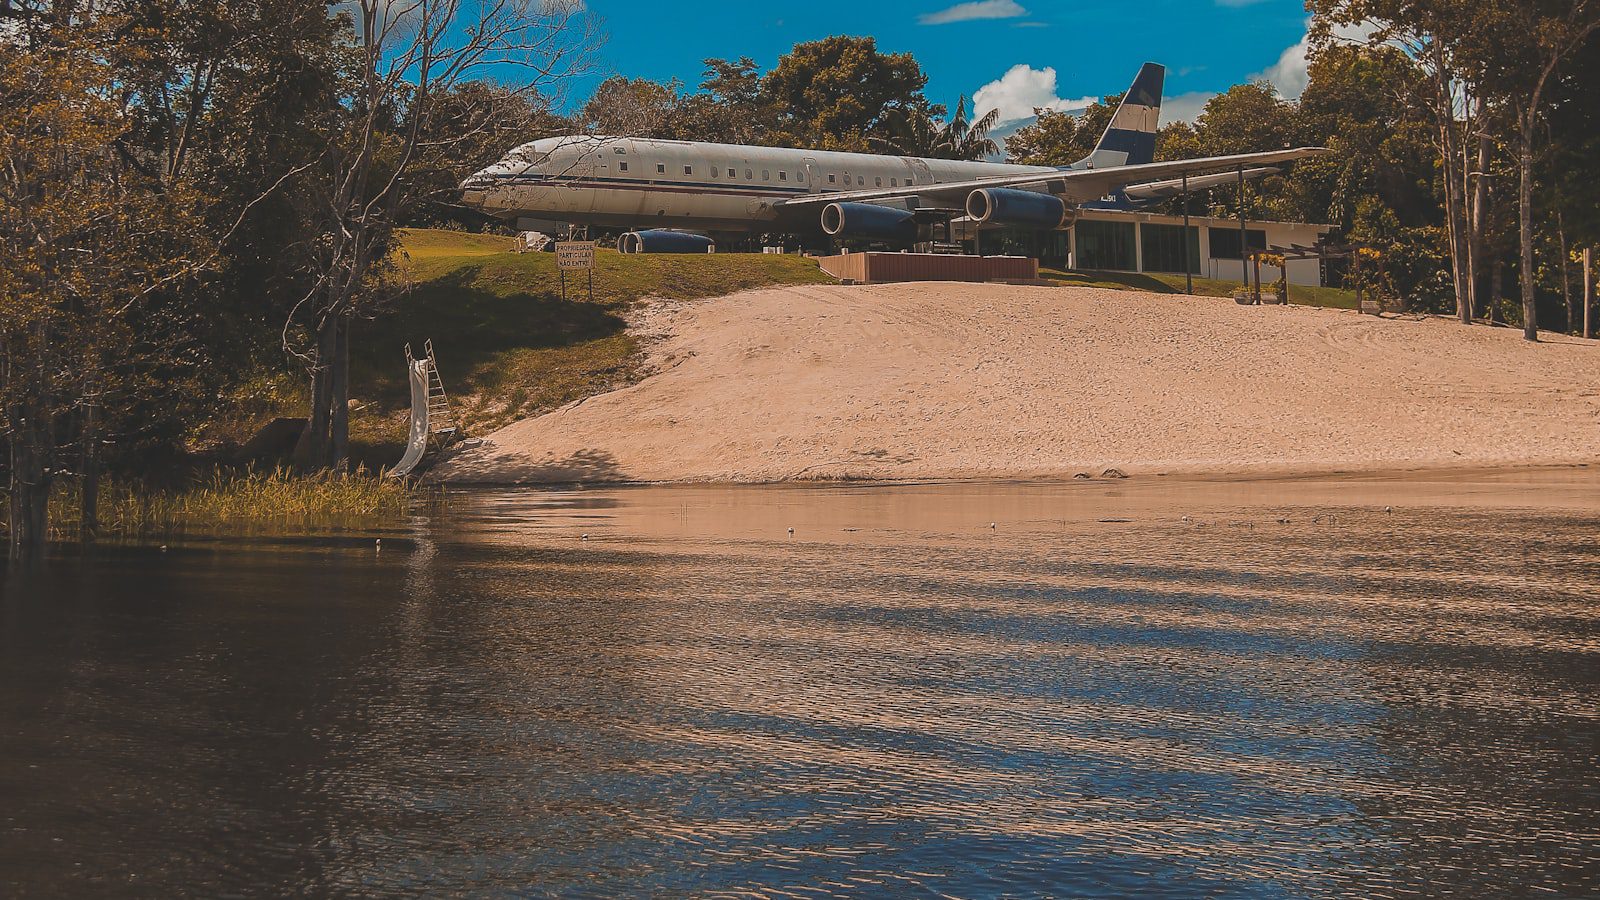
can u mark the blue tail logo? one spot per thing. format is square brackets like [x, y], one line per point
[1130, 139]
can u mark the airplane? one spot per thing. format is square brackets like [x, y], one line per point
[671, 196]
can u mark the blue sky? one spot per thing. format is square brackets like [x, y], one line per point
[1004, 49]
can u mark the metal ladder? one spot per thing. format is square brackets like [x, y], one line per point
[439, 419]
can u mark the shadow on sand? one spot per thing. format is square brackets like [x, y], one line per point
[582, 467]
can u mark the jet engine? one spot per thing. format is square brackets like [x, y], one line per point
[662, 241]
[1008, 206]
[868, 220]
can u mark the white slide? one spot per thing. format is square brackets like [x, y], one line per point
[417, 444]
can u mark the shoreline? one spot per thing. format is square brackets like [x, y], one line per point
[1170, 476]
[959, 382]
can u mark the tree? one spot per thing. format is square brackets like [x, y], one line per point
[1357, 102]
[1246, 118]
[917, 131]
[1520, 63]
[1430, 33]
[407, 58]
[1062, 138]
[730, 106]
[839, 92]
[635, 107]
[90, 249]
[964, 139]
[471, 128]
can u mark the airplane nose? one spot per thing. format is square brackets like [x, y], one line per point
[476, 189]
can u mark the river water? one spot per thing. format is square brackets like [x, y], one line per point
[1254, 689]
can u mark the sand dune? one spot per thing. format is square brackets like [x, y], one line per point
[978, 381]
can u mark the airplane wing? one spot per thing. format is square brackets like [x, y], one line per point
[1071, 185]
[1160, 190]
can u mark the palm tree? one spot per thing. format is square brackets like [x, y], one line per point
[917, 131]
[910, 131]
[960, 139]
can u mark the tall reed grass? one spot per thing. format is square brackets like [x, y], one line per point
[239, 501]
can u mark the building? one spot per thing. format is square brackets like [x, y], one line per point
[1144, 242]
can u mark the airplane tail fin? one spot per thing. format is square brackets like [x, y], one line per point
[1130, 139]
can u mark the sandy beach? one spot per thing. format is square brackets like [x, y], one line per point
[962, 381]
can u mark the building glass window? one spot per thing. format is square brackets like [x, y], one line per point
[1107, 245]
[1225, 242]
[1163, 248]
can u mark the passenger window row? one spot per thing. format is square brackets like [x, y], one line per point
[766, 175]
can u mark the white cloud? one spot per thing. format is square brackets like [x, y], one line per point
[1289, 74]
[1020, 91]
[978, 9]
[1185, 107]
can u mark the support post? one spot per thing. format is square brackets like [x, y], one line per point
[1588, 292]
[1244, 249]
[1355, 274]
[1188, 264]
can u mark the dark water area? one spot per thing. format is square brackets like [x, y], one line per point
[1133, 689]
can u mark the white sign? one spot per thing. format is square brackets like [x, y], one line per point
[575, 254]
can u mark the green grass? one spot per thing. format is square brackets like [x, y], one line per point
[508, 345]
[1331, 298]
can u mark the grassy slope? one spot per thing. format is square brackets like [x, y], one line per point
[508, 346]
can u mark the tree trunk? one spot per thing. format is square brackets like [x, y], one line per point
[1480, 288]
[89, 472]
[1566, 275]
[1455, 217]
[32, 443]
[1454, 225]
[1588, 292]
[339, 438]
[1530, 316]
[312, 453]
[30, 491]
[1497, 285]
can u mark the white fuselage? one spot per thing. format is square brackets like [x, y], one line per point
[648, 183]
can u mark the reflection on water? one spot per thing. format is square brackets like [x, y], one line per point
[1259, 690]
